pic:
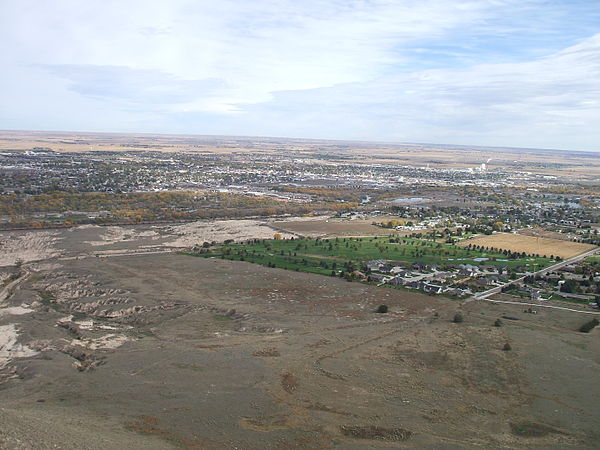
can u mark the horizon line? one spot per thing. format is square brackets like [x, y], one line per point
[460, 146]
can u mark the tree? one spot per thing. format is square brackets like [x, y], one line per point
[589, 326]
[382, 309]
[277, 236]
[458, 318]
[569, 286]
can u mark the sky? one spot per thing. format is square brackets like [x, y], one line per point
[520, 73]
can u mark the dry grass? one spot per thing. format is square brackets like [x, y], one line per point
[333, 227]
[376, 432]
[530, 244]
[540, 232]
[267, 352]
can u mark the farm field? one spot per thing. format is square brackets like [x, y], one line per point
[580, 164]
[206, 353]
[529, 244]
[540, 232]
[332, 256]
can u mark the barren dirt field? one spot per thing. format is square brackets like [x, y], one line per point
[172, 351]
[530, 244]
[333, 227]
[540, 232]
[92, 240]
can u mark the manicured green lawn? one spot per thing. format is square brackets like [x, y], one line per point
[326, 255]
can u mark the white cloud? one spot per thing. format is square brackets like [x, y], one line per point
[546, 102]
[254, 47]
[338, 69]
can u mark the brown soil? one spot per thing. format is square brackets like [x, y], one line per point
[199, 353]
[530, 244]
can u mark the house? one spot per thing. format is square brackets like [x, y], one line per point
[419, 265]
[468, 270]
[375, 264]
[377, 277]
[484, 281]
[397, 270]
[444, 275]
[570, 268]
[436, 279]
[358, 274]
[398, 281]
[433, 288]
[458, 292]
[385, 269]
[552, 277]
[413, 284]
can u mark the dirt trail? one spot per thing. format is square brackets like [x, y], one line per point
[7, 290]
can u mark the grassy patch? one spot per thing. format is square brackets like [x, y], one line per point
[532, 429]
[46, 296]
[376, 432]
[570, 300]
[331, 256]
[579, 345]
[222, 318]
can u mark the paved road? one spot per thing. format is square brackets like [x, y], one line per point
[495, 290]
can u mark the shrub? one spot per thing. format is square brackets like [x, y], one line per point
[382, 309]
[498, 323]
[589, 326]
[507, 347]
[458, 318]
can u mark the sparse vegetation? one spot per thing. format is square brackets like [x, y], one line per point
[376, 432]
[382, 309]
[589, 326]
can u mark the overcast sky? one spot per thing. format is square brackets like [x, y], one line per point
[481, 72]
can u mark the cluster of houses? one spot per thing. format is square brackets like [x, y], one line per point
[456, 280]
[552, 283]
[428, 278]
